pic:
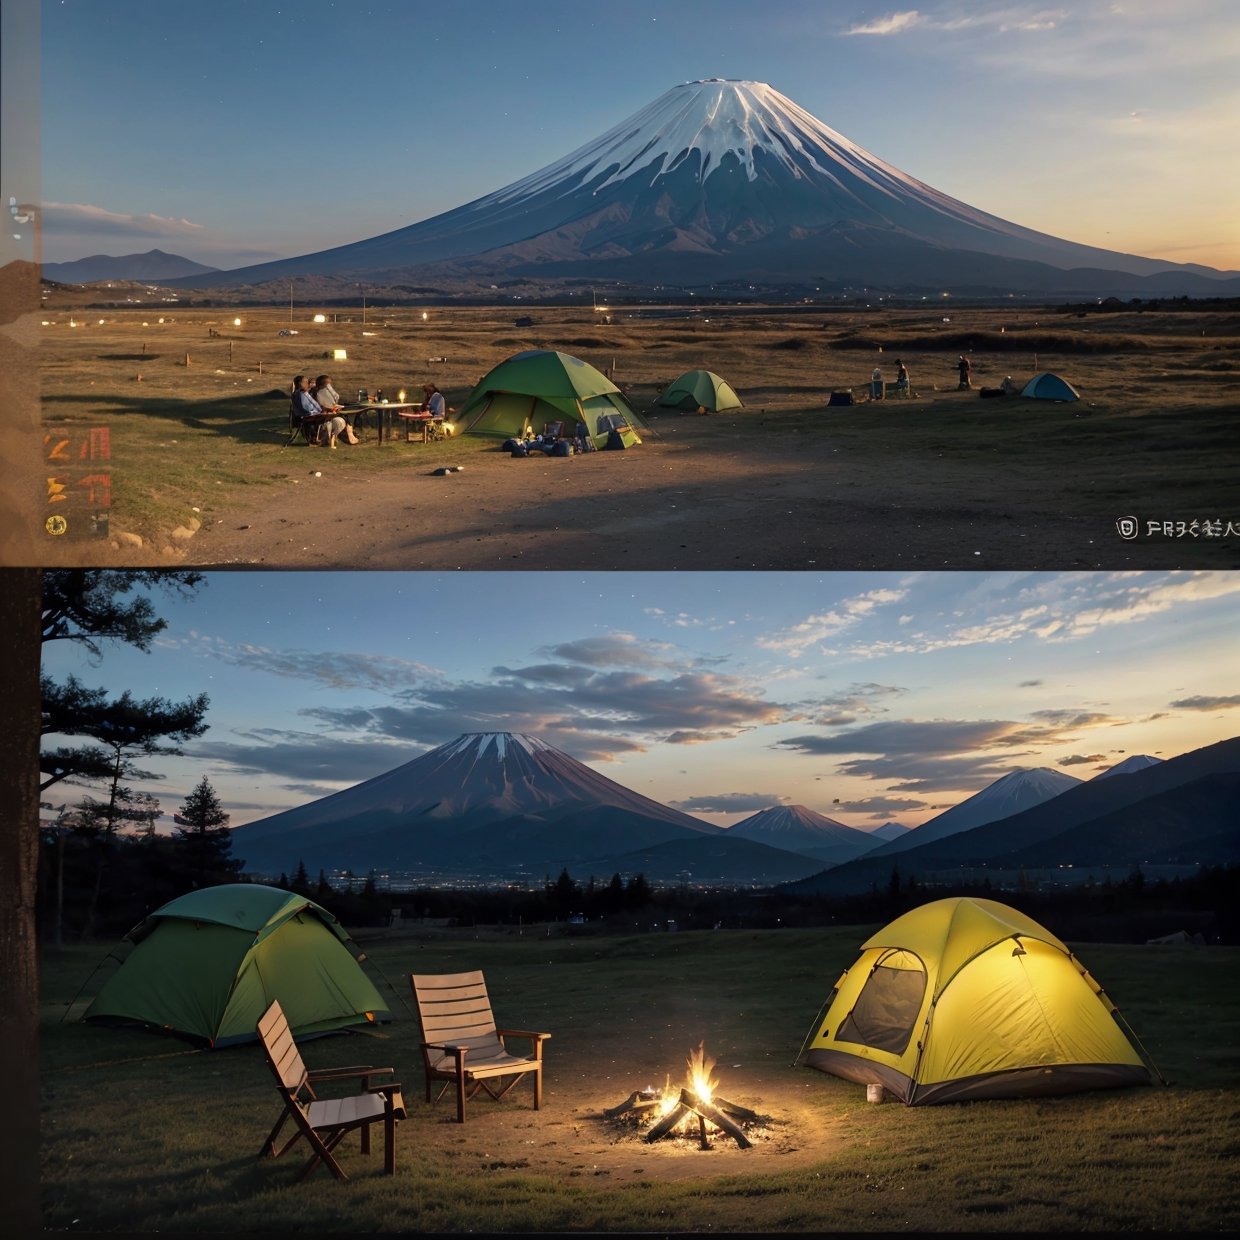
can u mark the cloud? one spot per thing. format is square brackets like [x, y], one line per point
[893, 23]
[339, 670]
[76, 217]
[730, 803]
[879, 808]
[944, 754]
[816, 629]
[305, 757]
[1061, 608]
[845, 707]
[1082, 759]
[619, 650]
[1201, 702]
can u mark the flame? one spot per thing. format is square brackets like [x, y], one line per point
[701, 1080]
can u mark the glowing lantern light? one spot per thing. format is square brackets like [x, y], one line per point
[236, 322]
[320, 318]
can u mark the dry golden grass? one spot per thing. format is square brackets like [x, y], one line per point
[197, 413]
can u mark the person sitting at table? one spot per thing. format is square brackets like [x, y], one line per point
[305, 406]
[434, 403]
[329, 400]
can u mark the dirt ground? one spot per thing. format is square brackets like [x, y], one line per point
[944, 480]
[571, 1138]
[923, 484]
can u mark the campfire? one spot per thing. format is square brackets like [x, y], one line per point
[678, 1110]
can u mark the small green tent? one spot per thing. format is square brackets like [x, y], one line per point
[208, 964]
[531, 389]
[961, 999]
[700, 389]
[1047, 386]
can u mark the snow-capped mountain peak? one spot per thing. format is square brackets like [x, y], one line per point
[1135, 762]
[1018, 790]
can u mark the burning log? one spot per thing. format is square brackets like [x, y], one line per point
[692, 1104]
[638, 1100]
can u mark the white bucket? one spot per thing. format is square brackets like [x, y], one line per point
[874, 1093]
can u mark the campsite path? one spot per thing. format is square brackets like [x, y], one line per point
[885, 490]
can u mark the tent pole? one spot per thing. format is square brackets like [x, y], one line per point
[813, 1029]
[405, 1002]
[1122, 1021]
[87, 982]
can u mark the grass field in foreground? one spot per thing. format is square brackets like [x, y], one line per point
[197, 406]
[142, 1132]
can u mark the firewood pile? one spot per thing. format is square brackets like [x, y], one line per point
[690, 1112]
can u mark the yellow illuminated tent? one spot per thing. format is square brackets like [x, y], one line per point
[962, 999]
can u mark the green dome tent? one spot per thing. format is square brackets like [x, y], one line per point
[962, 999]
[208, 964]
[530, 389]
[1047, 386]
[700, 389]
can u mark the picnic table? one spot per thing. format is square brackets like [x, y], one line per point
[408, 411]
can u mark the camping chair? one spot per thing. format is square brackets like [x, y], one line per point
[457, 1026]
[437, 429]
[324, 1121]
[304, 428]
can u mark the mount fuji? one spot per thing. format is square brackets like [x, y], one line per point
[498, 805]
[721, 182]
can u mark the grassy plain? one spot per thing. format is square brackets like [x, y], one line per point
[196, 409]
[143, 1133]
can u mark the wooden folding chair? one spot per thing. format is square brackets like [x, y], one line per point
[461, 1045]
[323, 1122]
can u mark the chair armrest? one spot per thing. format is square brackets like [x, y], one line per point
[386, 1088]
[328, 1074]
[522, 1033]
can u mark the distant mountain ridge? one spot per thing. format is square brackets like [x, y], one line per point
[1010, 793]
[1182, 806]
[805, 831]
[501, 804]
[151, 267]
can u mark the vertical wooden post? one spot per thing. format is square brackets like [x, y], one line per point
[187, 361]
[230, 345]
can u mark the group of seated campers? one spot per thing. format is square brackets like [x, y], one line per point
[322, 403]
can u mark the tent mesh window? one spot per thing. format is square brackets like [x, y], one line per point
[887, 1007]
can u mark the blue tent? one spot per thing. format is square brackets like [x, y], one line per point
[1046, 386]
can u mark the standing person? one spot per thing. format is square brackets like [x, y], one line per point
[966, 370]
[305, 406]
[329, 401]
[876, 384]
[902, 384]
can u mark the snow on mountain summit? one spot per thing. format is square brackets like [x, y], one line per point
[1010, 794]
[716, 118]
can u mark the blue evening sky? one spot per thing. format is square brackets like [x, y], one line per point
[241, 130]
[865, 696]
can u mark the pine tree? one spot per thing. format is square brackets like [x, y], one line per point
[203, 839]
